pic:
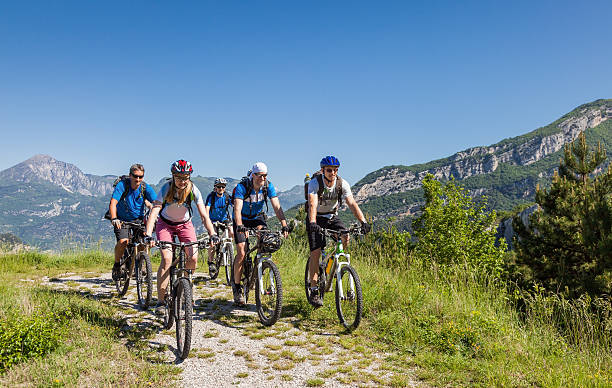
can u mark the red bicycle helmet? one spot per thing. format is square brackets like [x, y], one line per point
[181, 167]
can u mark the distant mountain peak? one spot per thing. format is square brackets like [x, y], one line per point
[45, 168]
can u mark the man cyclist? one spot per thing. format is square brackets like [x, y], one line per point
[249, 197]
[128, 204]
[325, 193]
[217, 205]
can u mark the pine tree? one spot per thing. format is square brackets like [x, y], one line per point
[567, 247]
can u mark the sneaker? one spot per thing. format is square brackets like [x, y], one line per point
[212, 269]
[116, 271]
[160, 309]
[238, 295]
[315, 298]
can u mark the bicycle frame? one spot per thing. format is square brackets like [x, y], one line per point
[334, 265]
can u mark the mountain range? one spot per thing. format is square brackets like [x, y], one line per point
[507, 173]
[53, 204]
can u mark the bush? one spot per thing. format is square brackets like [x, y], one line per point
[455, 230]
[23, 337]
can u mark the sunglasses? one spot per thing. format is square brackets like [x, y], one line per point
[181, 178]
[331, 169]
[137, 176]
[261, 174]
[219, 187]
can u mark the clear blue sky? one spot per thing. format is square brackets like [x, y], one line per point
[224, 84]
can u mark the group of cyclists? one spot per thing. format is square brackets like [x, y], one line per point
[171, 216]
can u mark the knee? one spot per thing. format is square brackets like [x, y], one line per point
[123, 242]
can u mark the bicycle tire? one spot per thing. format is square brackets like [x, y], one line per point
[169, 313]
[320, 281]
[183, 310]
[228, 253]
[123, 282]
[269, 309]
[213, 275]
[350, 307]
[144, 280]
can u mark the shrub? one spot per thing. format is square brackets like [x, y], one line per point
[23, 337]
[456, 230]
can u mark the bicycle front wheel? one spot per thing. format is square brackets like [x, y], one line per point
[183, 310]
[349, 299]
[144, 280]
[269, 294]
[123, 281]
[228, 257]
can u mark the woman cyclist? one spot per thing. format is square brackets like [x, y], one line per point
[173, 205]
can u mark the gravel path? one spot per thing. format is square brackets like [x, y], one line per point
[231, 348]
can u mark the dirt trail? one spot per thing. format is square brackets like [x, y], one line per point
[231, 348]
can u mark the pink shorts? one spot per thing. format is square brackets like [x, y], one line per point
[185, 232]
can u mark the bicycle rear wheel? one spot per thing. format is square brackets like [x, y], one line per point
[183, 310]
[269, 299]
[349, 299]
[144, 280]
[320, 282]
[123, 281]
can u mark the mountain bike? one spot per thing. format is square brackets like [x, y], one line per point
[224, 251]
[263, 274]
[337, 264]
[179, 295]
[136, 262]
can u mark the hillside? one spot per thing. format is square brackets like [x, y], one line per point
[506, 172]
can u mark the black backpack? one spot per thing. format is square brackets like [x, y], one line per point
[128, 188]
[213, 198]
[319, 177]
[248, 185]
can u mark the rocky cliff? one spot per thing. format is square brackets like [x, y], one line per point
[520, 151]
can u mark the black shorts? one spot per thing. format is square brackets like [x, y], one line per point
[123, 233]
[317, 240]
[241, 237]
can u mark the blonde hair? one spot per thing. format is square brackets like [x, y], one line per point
[182, 194]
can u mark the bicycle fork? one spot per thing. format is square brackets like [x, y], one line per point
[351, 290]
[260, 279]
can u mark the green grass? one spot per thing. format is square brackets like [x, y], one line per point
[448, 329]
[67, 338]
[454, 328]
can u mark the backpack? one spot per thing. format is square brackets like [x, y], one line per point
[213, 198]
[247, 183]
[126, 183]
[319, 177]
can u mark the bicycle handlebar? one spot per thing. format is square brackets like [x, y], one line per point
[167, 244]
[354, 229]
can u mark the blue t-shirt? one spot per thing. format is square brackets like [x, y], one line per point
[254, 202]
[132, 207]
[220, 211]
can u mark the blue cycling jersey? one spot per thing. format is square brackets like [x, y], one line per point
[254, 202]
[220, 211]
[132, 207]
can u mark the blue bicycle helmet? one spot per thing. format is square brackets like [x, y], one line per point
[330, 161]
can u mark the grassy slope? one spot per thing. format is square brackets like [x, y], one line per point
[451, 330]
[457, 331]
[92, 347]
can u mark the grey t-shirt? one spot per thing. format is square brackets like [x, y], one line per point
[328, 202]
